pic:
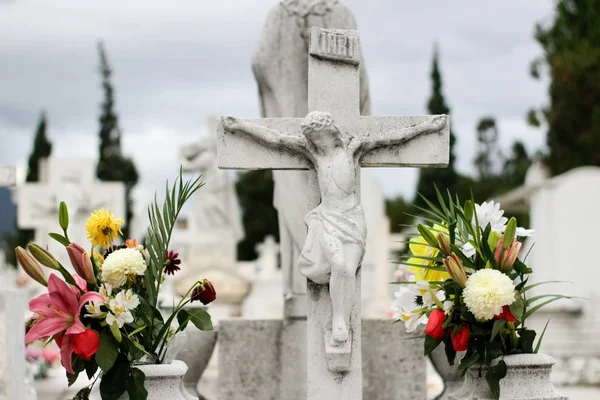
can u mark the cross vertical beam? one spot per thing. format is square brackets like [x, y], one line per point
[334, 87]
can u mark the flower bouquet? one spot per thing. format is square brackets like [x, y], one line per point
[104, 318]
[470, 288]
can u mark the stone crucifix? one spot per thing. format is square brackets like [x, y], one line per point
[335, 141]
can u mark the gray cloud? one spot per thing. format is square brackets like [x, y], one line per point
[176, 63]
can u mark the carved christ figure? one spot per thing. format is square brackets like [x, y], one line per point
[337, 230]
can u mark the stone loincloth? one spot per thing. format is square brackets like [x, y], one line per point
[328, 231]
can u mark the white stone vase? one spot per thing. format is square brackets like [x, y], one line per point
[527, 378]
[164, 381]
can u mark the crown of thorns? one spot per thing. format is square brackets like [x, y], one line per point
[315, 121]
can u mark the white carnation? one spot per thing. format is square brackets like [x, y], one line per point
[487, 291]
[121, 263]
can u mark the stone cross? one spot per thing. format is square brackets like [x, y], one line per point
[335, 141]
[72, 181]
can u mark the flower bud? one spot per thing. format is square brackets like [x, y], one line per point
[43, 256]
[498, 253]
[510, 256]
[444, 242]
[30, 266]
[434, 327]
[81, 262]
[461, 339]
[204, 292]
[456, 270]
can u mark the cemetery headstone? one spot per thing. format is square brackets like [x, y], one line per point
[335, 141]
[74, 182]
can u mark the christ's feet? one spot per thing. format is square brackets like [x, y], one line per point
[339, 330]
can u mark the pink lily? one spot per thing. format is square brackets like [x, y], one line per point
[58, 312]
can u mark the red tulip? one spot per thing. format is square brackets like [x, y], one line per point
[460, 340]
[506, 314]
[434, 324]
[86, 344]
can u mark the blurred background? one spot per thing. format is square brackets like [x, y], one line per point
[128, 91]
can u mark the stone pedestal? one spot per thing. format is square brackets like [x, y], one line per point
[12, 345]
[266, 360]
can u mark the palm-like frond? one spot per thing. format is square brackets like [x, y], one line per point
[162, 221]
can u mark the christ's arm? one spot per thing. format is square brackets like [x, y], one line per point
[266, 136]
[435, 124]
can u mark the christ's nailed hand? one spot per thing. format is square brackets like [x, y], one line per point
[230, 124]
[438, 122]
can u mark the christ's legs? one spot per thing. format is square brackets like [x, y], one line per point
[342, 288]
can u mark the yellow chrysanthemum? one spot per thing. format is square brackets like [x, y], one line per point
[419, 248]
[102, 228]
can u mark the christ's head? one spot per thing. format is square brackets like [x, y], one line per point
[318, 127]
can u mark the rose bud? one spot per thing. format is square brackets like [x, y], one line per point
[456, 270]
[444, 242]
[506, 314]
[204, 292]
[30, 266]
[43, 256]
[81, 262]
[434, 324]
[460, 340]
[86, 343]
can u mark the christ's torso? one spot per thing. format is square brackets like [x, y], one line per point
[337, 175]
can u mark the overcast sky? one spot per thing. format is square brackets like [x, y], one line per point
[176, 62]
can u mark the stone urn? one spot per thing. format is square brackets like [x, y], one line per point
[164, 381]
[527, 378]
[196, 353]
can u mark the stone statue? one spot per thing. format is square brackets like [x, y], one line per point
[217, 208]
[337, 230]
[280, 66]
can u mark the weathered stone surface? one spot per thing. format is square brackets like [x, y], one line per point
[527, 378]
[334, 140]
[266, 360]
[7, 175]
[12, 345]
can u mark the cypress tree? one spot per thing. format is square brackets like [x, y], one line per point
[42, 148]
[112, 165]
[443, 178]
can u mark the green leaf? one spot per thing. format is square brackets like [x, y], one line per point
[183, 318]
[498, 325]
[509, 233]
[441, 201]
[91, 367]
[83, 394]
[449, 350]
[112, 384]
[492, 350]
[517, 308]
[427, 235]
[527, 339]
[116, 332]
[200, 318]
[60, 239]
[71, 378]
[107, 352]
[431, 344]
[141, 328]
[468, 361]
[135, 385]
[493, 377]
[539, 343]
[527, 288]
[545, 303]
[469, 209]
[63, 216]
